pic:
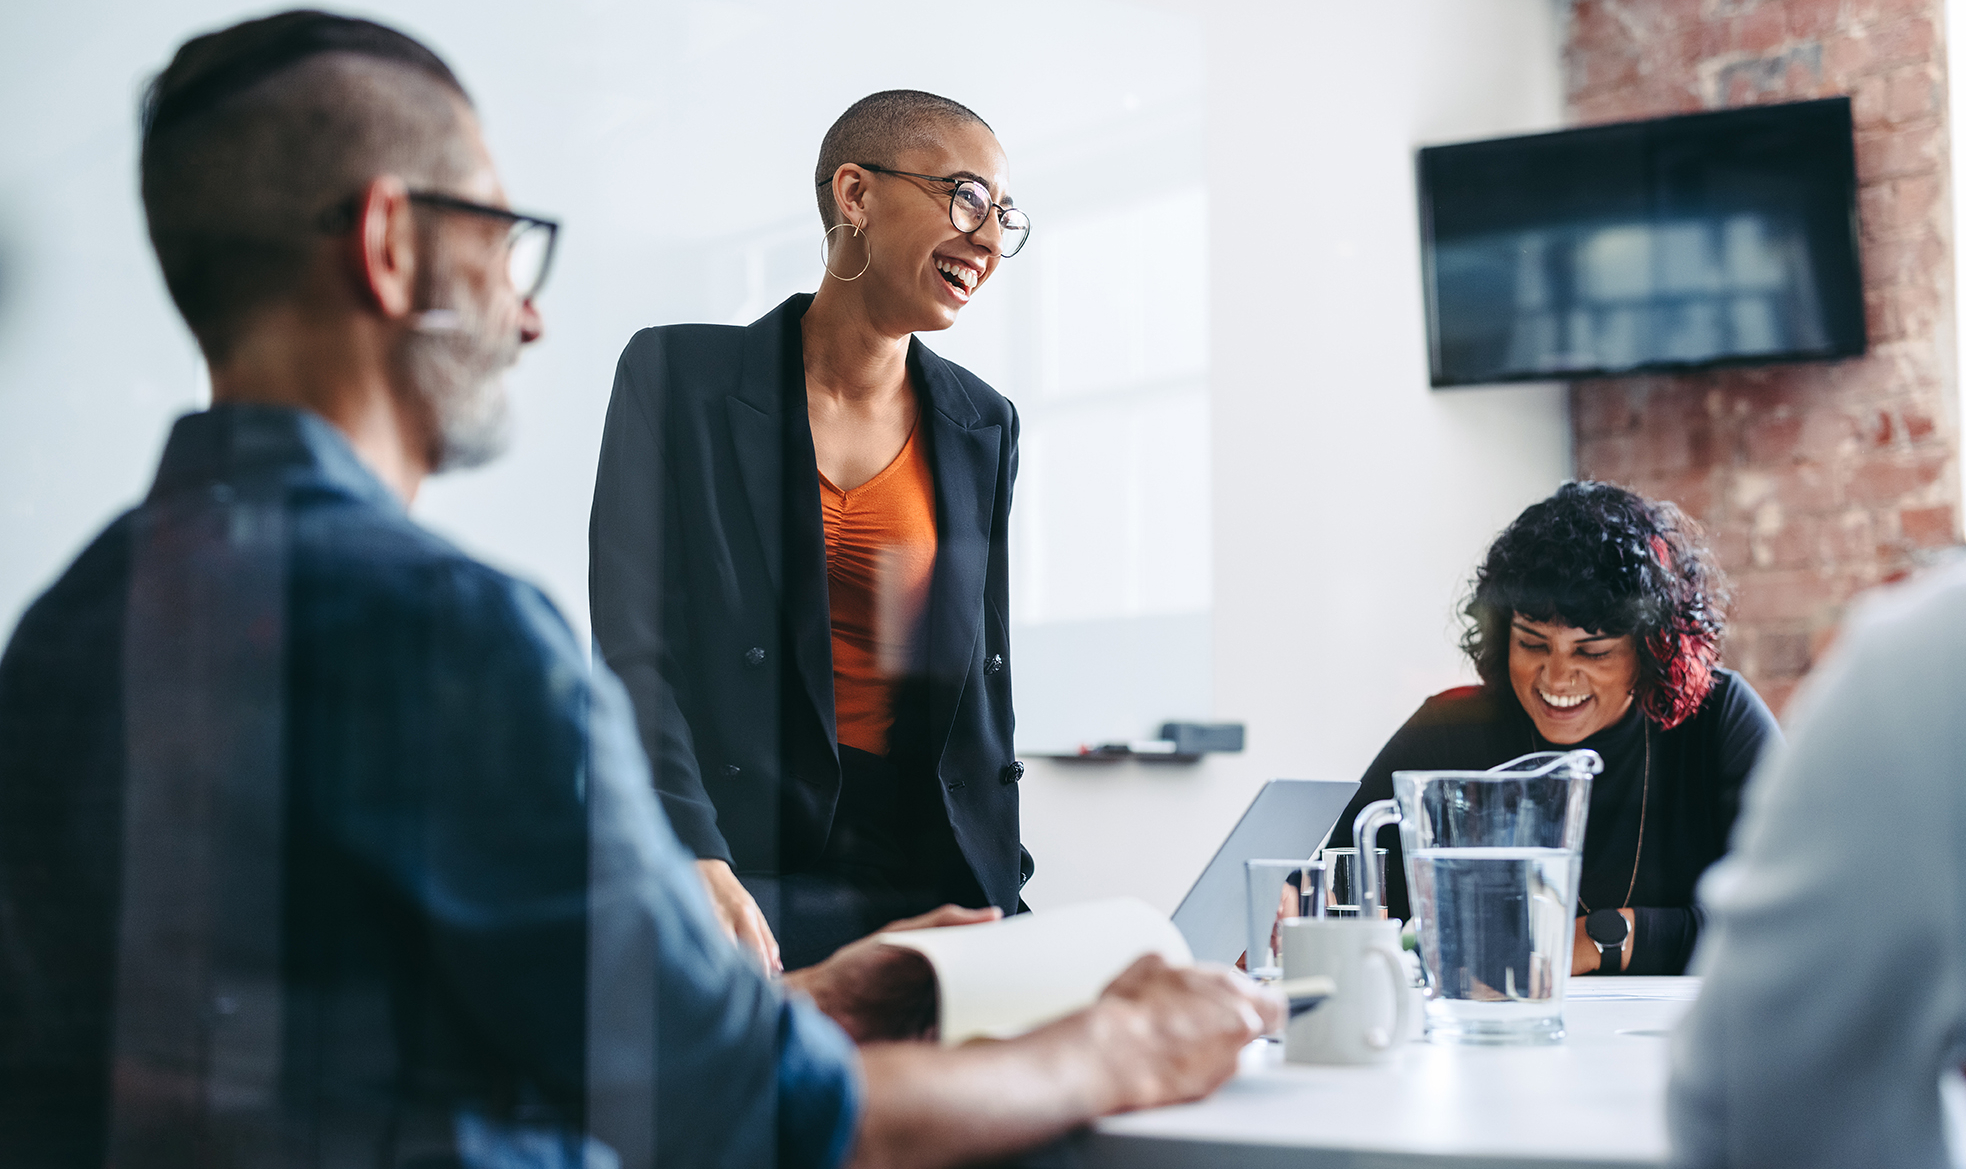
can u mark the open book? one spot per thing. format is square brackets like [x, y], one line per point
[1003, 978]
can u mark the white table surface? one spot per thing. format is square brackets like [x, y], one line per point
[1597, 1099]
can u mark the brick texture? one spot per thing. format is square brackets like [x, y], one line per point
[1817, 480]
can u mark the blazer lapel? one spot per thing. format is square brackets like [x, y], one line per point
[759, 461]
[964, 457]
[755, 413]
[769, 431]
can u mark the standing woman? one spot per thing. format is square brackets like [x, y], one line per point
[799, 559]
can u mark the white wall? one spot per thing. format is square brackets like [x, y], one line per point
[676, 141]
[1350, 501]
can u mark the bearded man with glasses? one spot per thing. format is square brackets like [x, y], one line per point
[320, 844]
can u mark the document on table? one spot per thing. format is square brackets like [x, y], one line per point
[1004, 978]
[1634, 988]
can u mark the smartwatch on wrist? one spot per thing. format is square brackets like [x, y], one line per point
[1609, 929]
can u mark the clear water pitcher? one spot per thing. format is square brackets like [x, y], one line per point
[1492, 860]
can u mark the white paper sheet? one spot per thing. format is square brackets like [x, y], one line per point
[1003, 978]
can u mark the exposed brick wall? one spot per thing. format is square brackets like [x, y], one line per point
[1813, 480]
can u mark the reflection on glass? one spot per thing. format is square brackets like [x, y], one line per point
[1617, 295]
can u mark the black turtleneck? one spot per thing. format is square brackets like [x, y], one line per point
[1696, 773]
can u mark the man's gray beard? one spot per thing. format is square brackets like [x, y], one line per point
[456, 372]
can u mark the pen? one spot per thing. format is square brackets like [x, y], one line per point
[1306, 993]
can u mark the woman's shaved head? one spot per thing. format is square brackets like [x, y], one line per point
[879, 126]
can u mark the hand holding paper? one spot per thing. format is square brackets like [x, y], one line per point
[1004, 978]
[1108, 1016]
[878, 991]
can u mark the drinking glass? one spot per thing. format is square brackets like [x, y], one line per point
[1341, 887]
[1278, 890]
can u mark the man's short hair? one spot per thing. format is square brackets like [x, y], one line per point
[878, 127]
[255, 134]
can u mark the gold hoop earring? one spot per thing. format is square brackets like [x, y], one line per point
[826, 248]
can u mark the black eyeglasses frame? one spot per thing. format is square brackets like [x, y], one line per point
[955, 182]
[341, 217]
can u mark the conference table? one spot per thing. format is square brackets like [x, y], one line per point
[1595, 1100]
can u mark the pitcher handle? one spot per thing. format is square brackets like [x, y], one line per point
[1365, 834]
[1402, 999]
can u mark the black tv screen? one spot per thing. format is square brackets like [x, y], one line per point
[1697, 240]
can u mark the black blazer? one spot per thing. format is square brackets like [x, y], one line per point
[707, 582]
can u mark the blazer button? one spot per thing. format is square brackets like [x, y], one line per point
[755, 656]
[1013, 772]
[732, 771]
[994, 664]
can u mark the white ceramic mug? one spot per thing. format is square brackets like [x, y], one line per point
[1364, 1020]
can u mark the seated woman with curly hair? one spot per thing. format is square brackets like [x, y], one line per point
[1595, 621]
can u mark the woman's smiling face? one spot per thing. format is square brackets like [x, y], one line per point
[1573, 682]
[923, 269]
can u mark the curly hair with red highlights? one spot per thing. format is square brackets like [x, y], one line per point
[1598, 557]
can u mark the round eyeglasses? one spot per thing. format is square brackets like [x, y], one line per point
[529, 239]
[969, 207]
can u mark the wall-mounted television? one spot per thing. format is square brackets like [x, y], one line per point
[1722, 238]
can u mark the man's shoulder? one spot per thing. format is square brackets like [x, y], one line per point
[102, 565]
[355, 562]
[90, 593]
[1909, 641]
[1928, 610]
[337, 533]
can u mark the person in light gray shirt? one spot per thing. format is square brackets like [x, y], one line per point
[1835, 959]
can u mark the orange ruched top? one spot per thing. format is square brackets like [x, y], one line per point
[880, 558]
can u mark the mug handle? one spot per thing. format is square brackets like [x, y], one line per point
[1376, 1039]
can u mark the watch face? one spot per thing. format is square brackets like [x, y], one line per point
[1606, 927]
